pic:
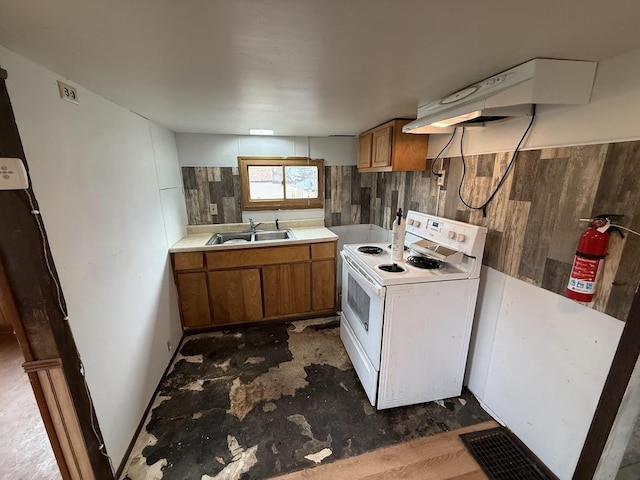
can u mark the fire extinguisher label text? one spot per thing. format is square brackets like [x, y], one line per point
[583, 275]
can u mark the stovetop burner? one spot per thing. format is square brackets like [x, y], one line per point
[370, 250]
[424, 262]
[391, 267]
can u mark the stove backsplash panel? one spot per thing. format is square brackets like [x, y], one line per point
[533, 220]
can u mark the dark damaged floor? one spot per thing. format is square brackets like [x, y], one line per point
[269, 400]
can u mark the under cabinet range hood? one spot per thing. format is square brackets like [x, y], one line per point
[511, 93]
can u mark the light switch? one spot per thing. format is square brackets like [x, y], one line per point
[13, 175]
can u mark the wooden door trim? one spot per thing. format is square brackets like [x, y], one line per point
[612, 394]
[65, 420]
[39, 365]
[8, 307]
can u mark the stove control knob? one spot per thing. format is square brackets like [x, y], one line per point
[461, 237]
[410, 221]
[416, 223]
[452, 234]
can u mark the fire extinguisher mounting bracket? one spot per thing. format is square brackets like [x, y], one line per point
[608, 219]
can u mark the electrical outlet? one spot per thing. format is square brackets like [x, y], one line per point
[67, 92]
[213, 209]
[441, 178]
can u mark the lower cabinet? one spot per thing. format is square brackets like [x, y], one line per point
[235, 296]
[194, 299]
[252, 284]
[323, 273]
[286, 289]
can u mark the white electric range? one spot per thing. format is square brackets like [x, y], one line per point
[407, 329]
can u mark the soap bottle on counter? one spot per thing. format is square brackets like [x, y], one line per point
[397, 240]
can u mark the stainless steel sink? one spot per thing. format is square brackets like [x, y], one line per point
[276, 235]
[247, 237]
[220, 238]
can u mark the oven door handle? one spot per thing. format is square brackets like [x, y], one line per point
[362, 275]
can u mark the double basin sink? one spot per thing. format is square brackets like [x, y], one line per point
[247, 237]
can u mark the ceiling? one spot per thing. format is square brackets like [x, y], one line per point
[301, 67]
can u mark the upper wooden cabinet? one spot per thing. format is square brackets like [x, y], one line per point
[364, 150]
[385, 149]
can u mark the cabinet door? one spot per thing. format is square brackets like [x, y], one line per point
[382, 147]
[364, 150]
[323, 284]
[287, 289]
[235, 295]
[194, 301]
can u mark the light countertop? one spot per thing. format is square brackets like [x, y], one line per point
[304, 231]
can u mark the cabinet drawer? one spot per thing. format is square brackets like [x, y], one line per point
[249, 257]
[188, 261]
[323, 250]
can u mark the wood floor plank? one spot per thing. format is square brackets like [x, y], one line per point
[437, 457]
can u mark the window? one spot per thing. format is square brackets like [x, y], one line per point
[271, 183]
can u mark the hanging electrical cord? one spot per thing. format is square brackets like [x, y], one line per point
[440, 153]
[625, 229]
[47, 261]
[483, 207]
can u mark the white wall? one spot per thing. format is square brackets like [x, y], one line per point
[103, 177]
[203, 150]
[538, 362]
[174, 209]
[613, 115]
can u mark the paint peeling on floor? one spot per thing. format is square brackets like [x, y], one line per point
[241, 462]
[287, 378]
[318, 457]
[270, 400]
[137, 468]
[224, 365]
[195, 386]
[269, 407]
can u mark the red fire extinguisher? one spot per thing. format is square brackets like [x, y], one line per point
[592, 248]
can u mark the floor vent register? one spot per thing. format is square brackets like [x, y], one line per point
[503, 456]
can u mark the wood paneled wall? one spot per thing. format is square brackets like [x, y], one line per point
[206, 185]
[533, 220]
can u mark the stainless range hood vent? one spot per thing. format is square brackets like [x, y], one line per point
[511, 93]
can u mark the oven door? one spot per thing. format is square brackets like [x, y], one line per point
[363, 308]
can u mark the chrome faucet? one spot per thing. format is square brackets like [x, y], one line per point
[253, 226]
